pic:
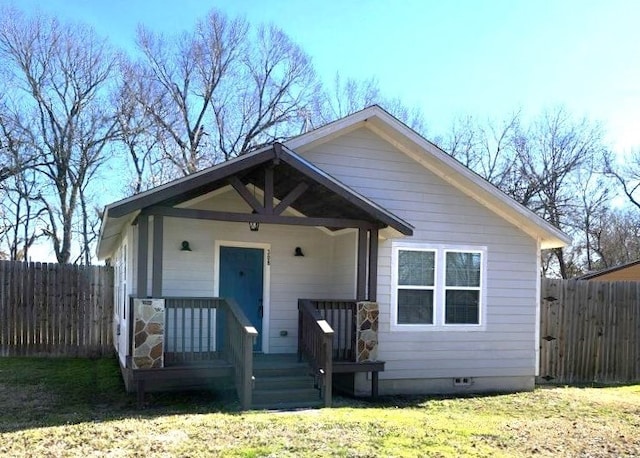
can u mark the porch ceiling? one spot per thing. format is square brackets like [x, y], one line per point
[279, 173]
[316, 201]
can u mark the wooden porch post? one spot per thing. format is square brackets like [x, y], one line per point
[268, 190]
[373, 264]
[143, 251]
[361, 288]
[156, 273]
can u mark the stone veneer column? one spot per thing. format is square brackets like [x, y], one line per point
[148, 334]
[367, 331]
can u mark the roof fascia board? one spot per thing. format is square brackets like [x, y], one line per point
[609, 270]
[328, 132]
[104, 249]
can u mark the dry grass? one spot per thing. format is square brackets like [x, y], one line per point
[78, 408]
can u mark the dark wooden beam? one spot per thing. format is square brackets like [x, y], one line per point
[373, 265]
[361, 282]
[261, 218]
[245, 194]
[290, 198]
[156, 272]
[143, 251]
[268, 189]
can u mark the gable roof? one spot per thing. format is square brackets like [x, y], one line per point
[608, 270]
[322, 197]
[441, 164]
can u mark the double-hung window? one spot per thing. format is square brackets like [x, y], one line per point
[416, 286]
[462, 287]
[437, 287]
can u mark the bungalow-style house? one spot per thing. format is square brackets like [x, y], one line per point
[358, 255]
[624, 272]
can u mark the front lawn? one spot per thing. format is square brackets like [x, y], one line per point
[73, 407]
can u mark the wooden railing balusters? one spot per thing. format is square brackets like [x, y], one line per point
[315, 344]
[239, 336]
[341, 316]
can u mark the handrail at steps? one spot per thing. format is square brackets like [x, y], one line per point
[239, 337]
[315, 344]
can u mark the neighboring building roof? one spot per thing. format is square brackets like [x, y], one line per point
[610, 270]
[440, 163]
[324, 196]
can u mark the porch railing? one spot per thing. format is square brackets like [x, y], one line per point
[238, 350]
[190, 329]
[206, 328]
[315, 344]
[341, 316]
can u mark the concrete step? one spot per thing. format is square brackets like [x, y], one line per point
[283, 383]
[285, 370]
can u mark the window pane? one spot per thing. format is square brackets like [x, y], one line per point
[416, 268]
[415, 306]
[461, 307]
[463, 269]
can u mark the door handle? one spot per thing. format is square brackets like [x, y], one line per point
[260, 310]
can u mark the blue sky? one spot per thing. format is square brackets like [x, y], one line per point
[485, 59]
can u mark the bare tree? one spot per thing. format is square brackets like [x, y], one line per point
[627, 173]
[345, 96]
[21, 215]
[20, 209]
[552, 153]
[592, 214]
[341, 98]
[543, 166]
[181, 81]
[213, 93]
[488, 149]
[137, 131]
[60, 75]
[615, 238]
[276, 81]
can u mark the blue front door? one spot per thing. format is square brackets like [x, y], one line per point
[241, 278]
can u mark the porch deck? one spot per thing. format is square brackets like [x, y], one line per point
[196, 358]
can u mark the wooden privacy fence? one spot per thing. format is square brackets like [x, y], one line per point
[55, 309]
[590, 331]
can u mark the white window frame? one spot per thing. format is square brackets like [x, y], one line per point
[440, 287]
[418, 287]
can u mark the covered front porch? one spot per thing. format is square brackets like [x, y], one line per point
[176, 344]
[312, 238]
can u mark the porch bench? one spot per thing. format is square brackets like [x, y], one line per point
[350, 367]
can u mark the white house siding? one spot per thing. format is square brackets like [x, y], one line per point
[502, 356]
[312, 276]
[123, 289]
[343, 267]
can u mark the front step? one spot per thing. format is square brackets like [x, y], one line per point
[281, 382]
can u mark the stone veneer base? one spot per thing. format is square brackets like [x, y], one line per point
[148, 334]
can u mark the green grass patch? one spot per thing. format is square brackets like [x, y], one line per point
[75, 407]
